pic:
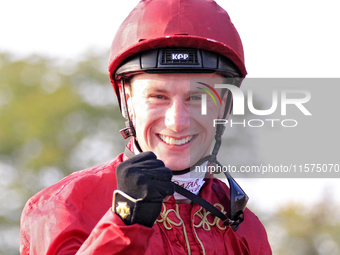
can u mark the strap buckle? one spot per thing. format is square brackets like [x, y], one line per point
[127, 132]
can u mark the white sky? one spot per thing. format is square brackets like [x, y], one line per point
[291, 38]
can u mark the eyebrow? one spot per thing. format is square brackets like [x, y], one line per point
[154, 88]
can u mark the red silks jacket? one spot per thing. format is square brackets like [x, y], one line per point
[74, 216]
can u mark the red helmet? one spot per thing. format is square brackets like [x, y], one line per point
[189, 24]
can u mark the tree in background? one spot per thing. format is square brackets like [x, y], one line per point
[297, 229]
[56, 117]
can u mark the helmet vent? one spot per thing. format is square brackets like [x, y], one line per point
[181, 56]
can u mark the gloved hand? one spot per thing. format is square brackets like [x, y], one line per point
[146, 179]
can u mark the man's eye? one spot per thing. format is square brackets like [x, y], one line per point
[158, 96]
[195, 98]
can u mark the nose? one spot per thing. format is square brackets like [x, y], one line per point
[177, 117]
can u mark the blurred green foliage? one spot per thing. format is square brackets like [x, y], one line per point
[56, 117]
[298, 229]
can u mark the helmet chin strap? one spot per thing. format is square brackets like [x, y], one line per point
[238, 198]
[129, 129]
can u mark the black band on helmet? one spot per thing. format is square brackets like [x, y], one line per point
[177, 60]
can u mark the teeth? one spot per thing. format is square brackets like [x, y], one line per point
[172, 141]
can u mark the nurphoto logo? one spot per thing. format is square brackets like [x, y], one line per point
[239, 102]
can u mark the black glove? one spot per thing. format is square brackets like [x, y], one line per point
[145, 178]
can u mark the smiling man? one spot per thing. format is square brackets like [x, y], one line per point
[166, 121]
[149, 200]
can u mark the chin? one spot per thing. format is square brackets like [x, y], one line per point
[176, 166]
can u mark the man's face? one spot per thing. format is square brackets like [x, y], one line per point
[167, 117]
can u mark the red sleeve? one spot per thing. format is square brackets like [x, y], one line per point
[112, 236]
[74, 216]
[61, 232]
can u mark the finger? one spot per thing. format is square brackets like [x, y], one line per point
[142, 157]
[150, 163]
[164, 189]
[161, 174]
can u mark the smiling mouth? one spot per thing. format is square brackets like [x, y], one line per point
[172, 141]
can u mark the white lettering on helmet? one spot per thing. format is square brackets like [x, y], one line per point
[179, 56]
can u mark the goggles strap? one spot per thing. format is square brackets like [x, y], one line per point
[205, 204]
